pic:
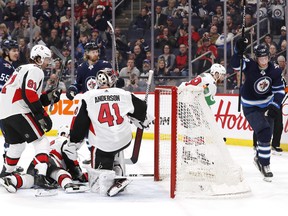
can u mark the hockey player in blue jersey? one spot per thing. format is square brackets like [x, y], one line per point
[10, 55]
[87, 71]
[261, 95]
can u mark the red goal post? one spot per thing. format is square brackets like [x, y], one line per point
[189, 148]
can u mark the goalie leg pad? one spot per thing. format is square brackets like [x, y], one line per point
[119, 164]
[100, 180]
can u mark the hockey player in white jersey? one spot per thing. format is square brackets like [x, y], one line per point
[23, 117]
[209, 82]
[62, 169]
[103, 115]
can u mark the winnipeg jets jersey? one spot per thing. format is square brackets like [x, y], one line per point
[261, 87]
[206, 81]
[6, 69]
[86, 75]
[107, 109]
[30, 77]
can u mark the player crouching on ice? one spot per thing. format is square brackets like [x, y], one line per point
[208, 81]
[63, 168]
[103, 115]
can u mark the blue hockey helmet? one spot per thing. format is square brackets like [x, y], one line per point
[261, 50]
[91, 46]
[9, 44]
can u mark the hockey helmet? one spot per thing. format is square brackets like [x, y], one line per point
[261, 50]
[10, 44]
[40, 51]
[106, 77]
[63, 130]
[218, 72]
[90, 46]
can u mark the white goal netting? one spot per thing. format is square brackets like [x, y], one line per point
[192, 152]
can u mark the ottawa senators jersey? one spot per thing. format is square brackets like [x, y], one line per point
[29, 77]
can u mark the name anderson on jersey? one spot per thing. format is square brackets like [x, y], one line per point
[107, 98]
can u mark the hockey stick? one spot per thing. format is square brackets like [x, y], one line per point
[241, 61]
[139, 132]
[63, 60]
[115, 45]
[140, 175]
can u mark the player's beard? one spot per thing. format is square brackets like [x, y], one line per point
[94, 58]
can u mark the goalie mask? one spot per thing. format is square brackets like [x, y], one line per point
[40, 51]
[63, 130]
[218, 72]
[106, 77]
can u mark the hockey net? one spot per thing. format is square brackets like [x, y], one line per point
[189, 147]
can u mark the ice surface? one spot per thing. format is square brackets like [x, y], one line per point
[148, 198]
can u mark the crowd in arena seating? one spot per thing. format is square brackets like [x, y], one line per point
[51, 25]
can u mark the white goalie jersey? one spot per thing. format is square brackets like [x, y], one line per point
[30, 77]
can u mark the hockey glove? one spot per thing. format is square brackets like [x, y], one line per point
[44, 121]
[71, 92]
[241, 45]
[49, 95]
[144, 124]
[272, 111]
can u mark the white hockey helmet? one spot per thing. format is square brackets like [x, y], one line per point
[218, 71]
[40, 51]
[63, 130]
[106, 77]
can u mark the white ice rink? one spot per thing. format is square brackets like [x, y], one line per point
[144, 197]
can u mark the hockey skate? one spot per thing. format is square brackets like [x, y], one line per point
[118, 186]
[75, 188]
[265, 170]
[8, 185]
[277, 150]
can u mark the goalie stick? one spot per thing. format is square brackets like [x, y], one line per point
[63, 60]
[115, 45]
[139, 132]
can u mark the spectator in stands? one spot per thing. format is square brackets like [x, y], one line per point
[161, 71]
[135, 85]
[170, 9]
[273, 53]
[184, 24]
[234, 12]
[206, 61]
[231, 27]
[165, 37]
[80, 47]
[52, 83]
[181, 62]
[168, 57]
[142, 21]
[24, 52]
[160, 20]
[282, 36]
[84, 27]
[219, 14]
[183, 36]
[215, 22]
[35, 28]
[170, 25]
[122, 62]
[20, 29]
[281, 61]
[60, 8]
[268, 40]
[47, 15]
[145, 69]
[65, 20]
[129, 69]
[4, 33]
[278, 11]
[100, 22]
[181, 9]
[139, 54]
[11, 11]
[92, 9]
[54, 39]
[121, 41]
[213, 34]
[283, 48]
[204, 11]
